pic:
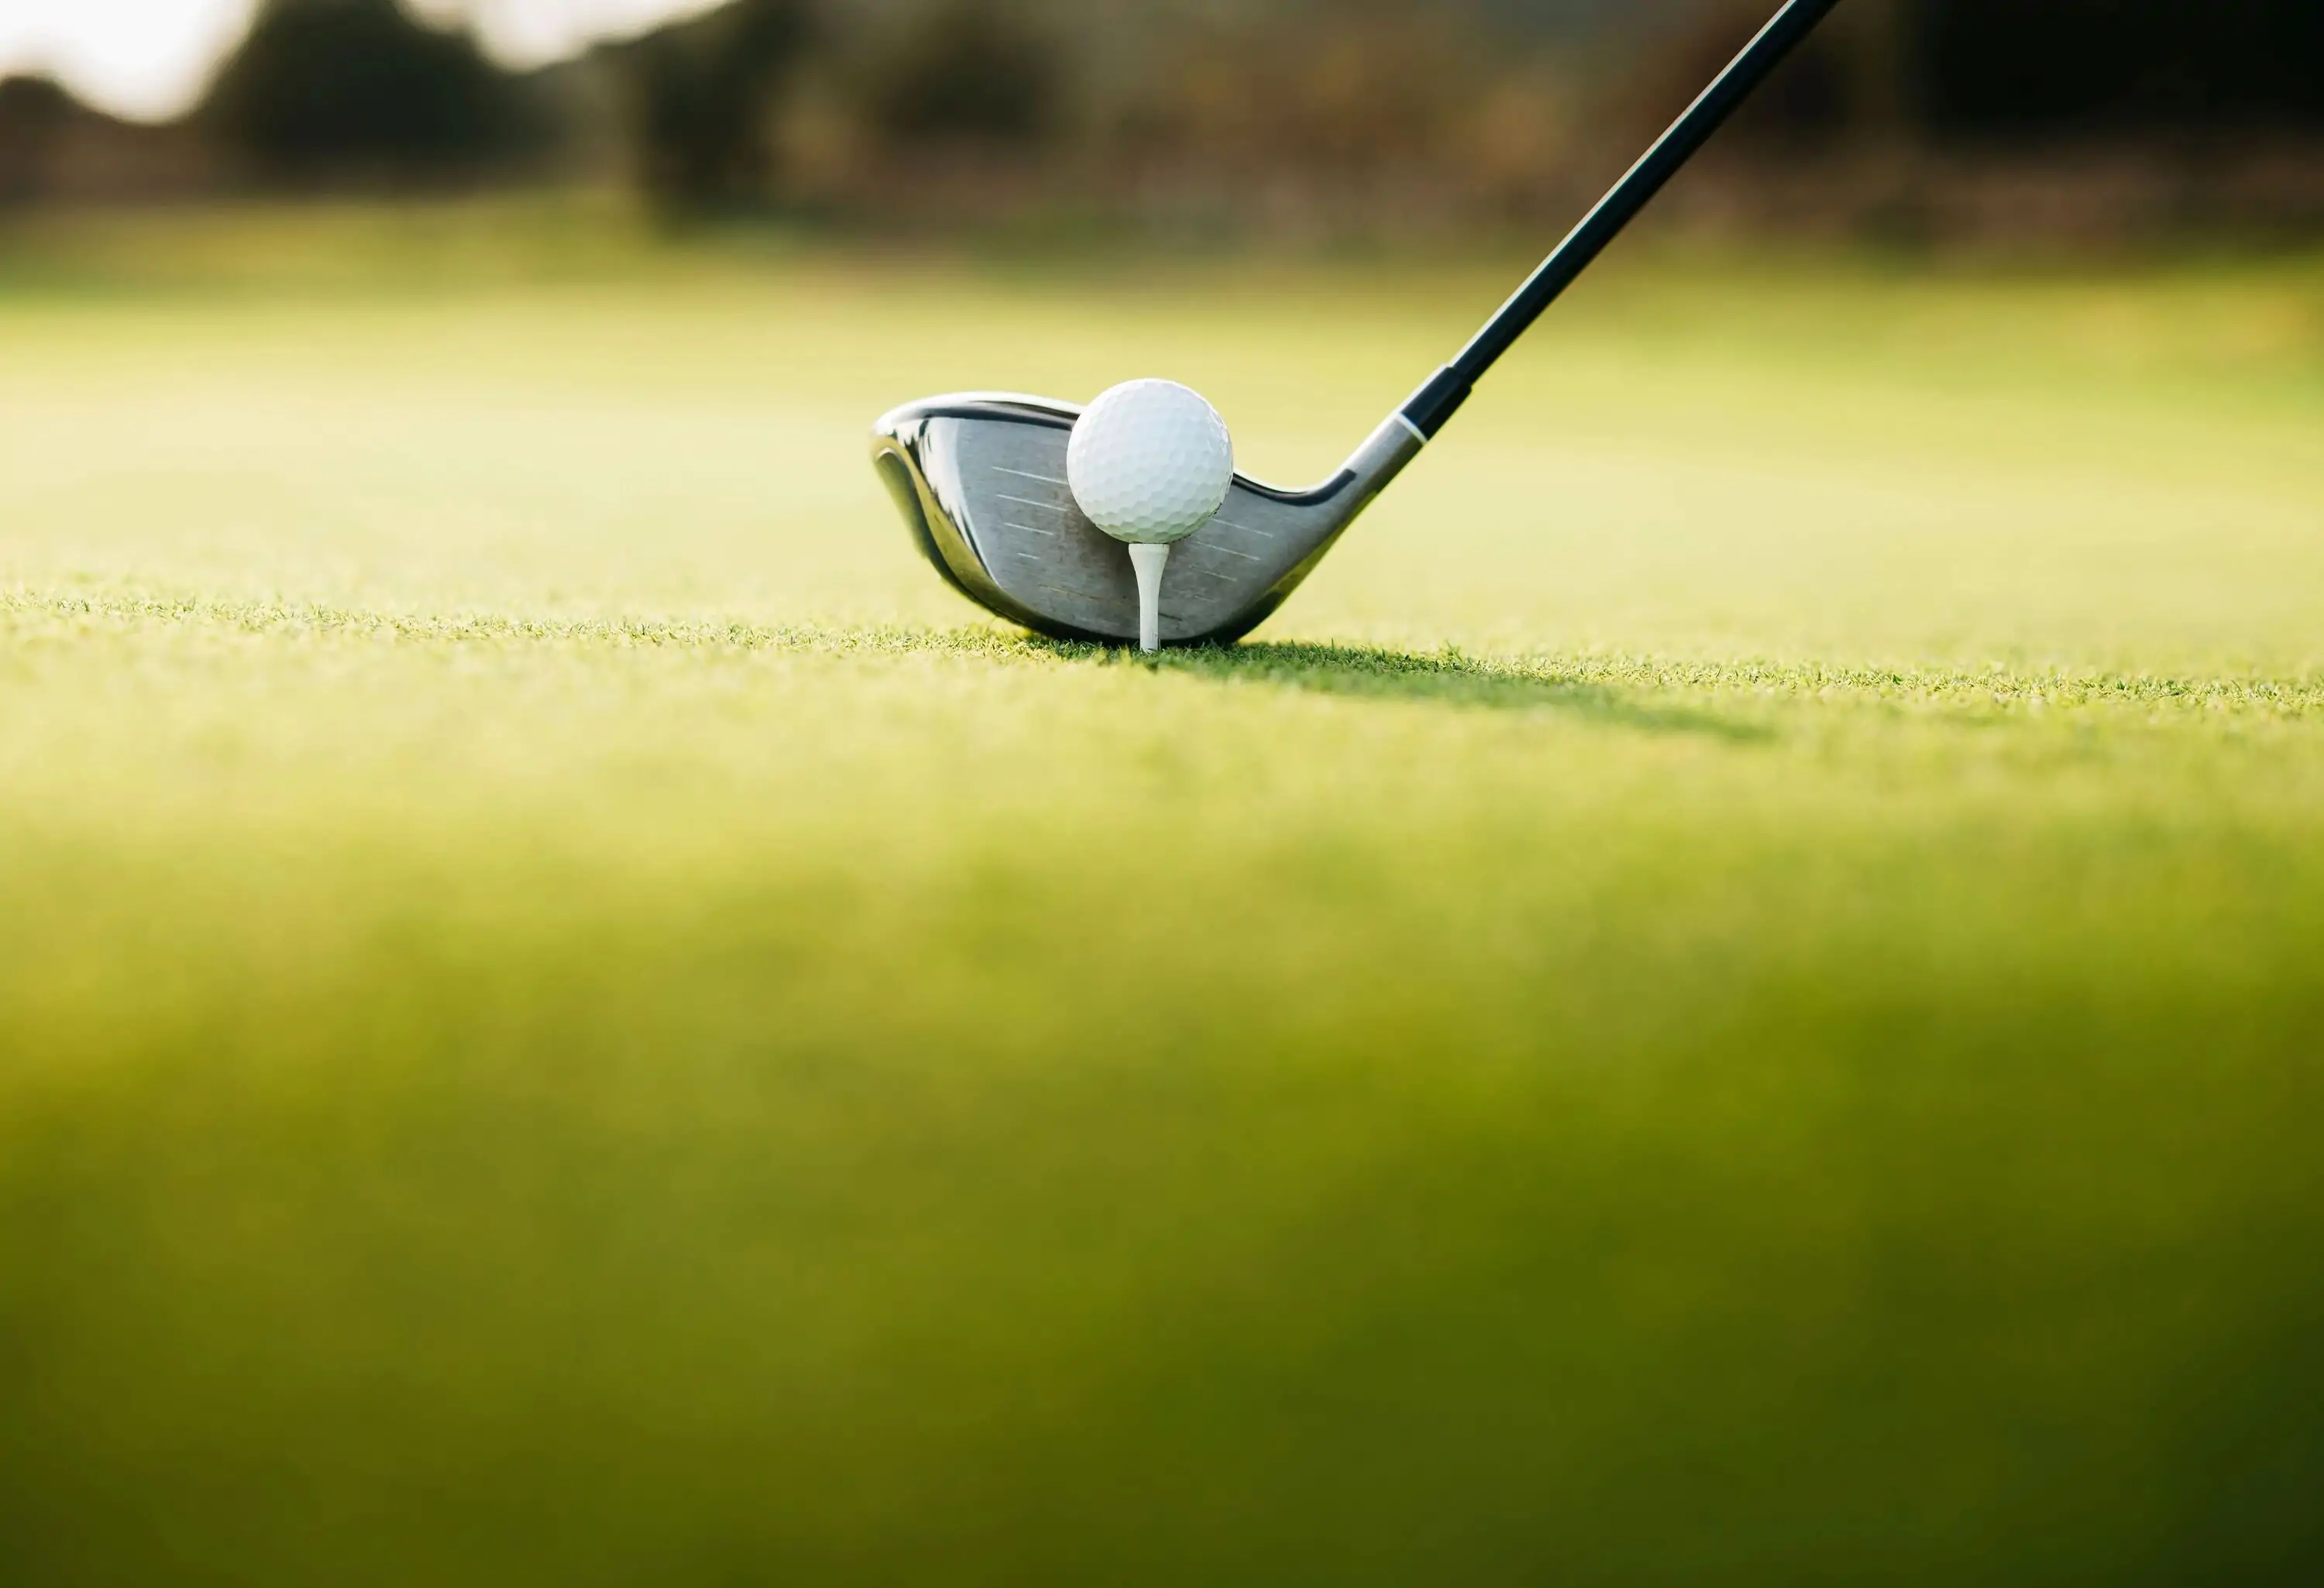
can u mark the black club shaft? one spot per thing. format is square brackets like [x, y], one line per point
[1436, 402]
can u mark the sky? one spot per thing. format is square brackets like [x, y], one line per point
[149, 59]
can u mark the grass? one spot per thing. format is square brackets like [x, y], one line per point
[1730, 994]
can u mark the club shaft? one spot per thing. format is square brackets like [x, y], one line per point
[1436, 402]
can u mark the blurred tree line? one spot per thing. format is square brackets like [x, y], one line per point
[1480, 108]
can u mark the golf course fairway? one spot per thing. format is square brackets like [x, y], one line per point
[1733, 992]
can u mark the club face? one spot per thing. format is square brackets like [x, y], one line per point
[981, 481]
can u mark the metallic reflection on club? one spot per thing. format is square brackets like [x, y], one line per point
[980, 478]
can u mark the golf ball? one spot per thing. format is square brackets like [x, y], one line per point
[1150, 462]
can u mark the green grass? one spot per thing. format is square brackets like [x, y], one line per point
[1734, 992]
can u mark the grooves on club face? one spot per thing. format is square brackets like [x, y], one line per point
[980, 480]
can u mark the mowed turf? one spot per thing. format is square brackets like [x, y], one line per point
[1734, 992]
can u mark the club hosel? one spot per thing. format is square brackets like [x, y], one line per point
[1382, 458]
[1428, 409]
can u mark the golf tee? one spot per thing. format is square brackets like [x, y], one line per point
[1149, 562]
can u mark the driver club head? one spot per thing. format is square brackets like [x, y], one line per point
[980, 478]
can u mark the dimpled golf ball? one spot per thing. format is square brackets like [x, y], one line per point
[1150, 462]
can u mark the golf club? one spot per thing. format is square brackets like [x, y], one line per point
[981, 477]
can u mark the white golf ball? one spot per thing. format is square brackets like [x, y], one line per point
[1150, 462]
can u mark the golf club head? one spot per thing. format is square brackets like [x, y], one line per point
[980, 478]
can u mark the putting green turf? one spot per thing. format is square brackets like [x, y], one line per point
[1734, 992]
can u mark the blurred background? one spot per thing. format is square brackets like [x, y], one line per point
[1907, 120]
[1737, 990]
